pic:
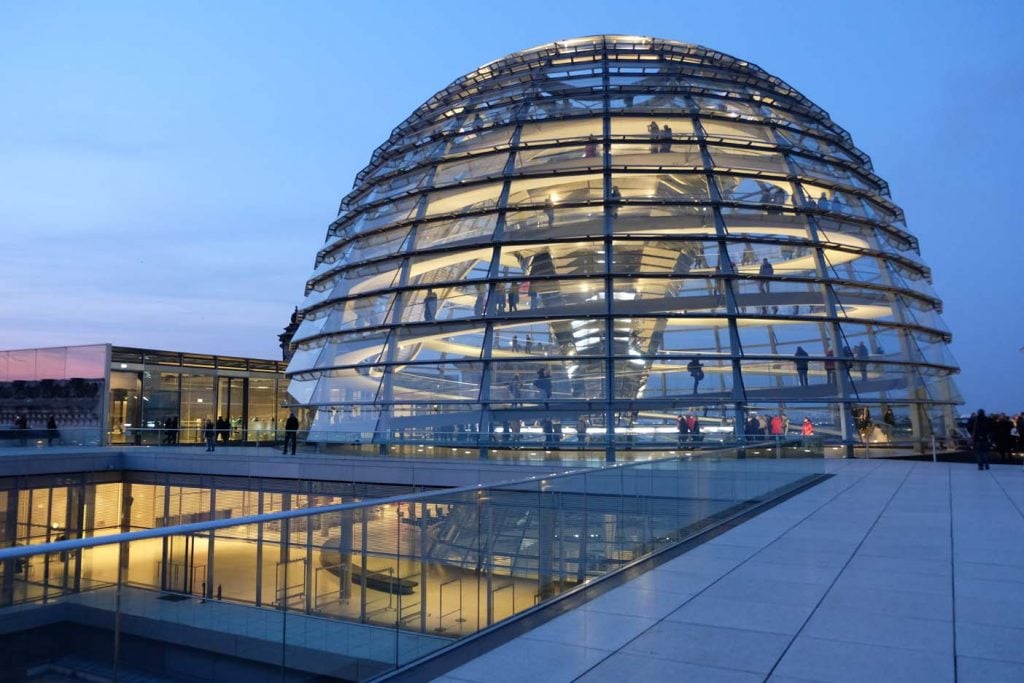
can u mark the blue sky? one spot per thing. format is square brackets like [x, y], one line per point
[168, 170]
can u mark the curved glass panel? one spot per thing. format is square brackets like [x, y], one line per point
[621, 230]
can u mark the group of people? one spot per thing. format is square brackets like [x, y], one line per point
[688, 428]
[998, 432]
[222, 429]
[857, 357]
[775, 425]
[512, 431]
[52, 433]
[661, 137]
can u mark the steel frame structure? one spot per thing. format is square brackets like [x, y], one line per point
[620, 230]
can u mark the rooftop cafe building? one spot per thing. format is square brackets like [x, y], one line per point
[107, 394]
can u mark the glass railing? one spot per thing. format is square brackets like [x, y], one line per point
[531, 443]
[355, 590]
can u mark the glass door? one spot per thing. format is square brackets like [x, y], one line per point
[231, 405]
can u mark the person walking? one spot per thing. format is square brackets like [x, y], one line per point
[765, 271]
[210, 436]
[980, 430]
[291, 432]
[801, 362]
[543, 382]
[696, 370]
[223, 430]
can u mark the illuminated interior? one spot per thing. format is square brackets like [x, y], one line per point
[615, 231]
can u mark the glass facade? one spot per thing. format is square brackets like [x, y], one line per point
[149, 388]
[119, 395]
[601, 235]
[67, 384]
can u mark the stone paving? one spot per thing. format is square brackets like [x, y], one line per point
[888, 571]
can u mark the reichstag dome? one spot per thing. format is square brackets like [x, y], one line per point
[581, 243]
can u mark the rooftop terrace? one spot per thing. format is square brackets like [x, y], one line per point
[887, 571]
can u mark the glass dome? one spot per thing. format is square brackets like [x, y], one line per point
[585, 241]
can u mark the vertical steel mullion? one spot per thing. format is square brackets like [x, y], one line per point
[832, 304]
[210, 568]
[493, 271]
[726, 274]
[165, 540]
[386, 395]
[259, 549]
[609, 285]
[308, 560]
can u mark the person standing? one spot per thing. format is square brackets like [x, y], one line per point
[291, 432]
[830, 365]
[801, 362]
[51, 430]
[614, 197]
[210, 436]
[581, 431]
[748, 258]
[512, 293]
[430, 306]
[847, 360]
[807, 428]
[862, 358]
[515, 389]
[654, 132]
[666, 138]
[693, 426]
[478, 303]
[1020, 432]
[683, 428]
[980, 432]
